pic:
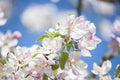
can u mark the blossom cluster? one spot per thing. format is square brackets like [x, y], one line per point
[58, 56]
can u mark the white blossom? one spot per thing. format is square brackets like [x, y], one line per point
[106, 66]
[53, 45]
[7, 42]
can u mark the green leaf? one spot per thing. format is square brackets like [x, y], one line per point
[53, 34]
[74, 48]
[35, 55]
[45, 77]
[117, 74]
[63, 58]
[56, 34]
[68, 45]
[2, 61]
[24, 66]
[56, 66]
[42, 37]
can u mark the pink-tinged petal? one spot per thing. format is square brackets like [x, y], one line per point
[48, 71]
[96, 39]
[89, 35]
[86, 53]
[36, 75]
[77, 34]
[75, 72]
[88, 44]
[74, 56]
[92, 28]
[93, 43]
[118, 40]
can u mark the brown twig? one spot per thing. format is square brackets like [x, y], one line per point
[79, 7]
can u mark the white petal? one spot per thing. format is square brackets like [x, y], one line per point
[44, 51]
[81, 65]
[96, 69]
[52, 56]
[13, 43]
[4, 51]
[106, 66]
[51, 30]
[74, 56]
[48, 71]
[1, 43]
[86, 53]
[46, 43]
[3, 21]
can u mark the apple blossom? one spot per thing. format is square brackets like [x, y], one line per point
[103, 70]
[53, 45]
[7, 42]
[81, 31]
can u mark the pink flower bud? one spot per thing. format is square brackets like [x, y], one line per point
[17, 35]
[36, 74]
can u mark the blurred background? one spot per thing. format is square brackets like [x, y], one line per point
[33, 17]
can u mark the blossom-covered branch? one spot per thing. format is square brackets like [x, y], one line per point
[57, 58]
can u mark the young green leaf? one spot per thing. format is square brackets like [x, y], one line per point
[63, 58]
[2, 61]
[117, 74]
[68, 45]
[35, 55]
[42, 37]
[24, 66]
[45, 77]
[53, 35]
[56, 66]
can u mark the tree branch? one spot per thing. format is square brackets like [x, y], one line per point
[79, 7]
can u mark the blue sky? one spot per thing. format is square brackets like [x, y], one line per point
[29, 38]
